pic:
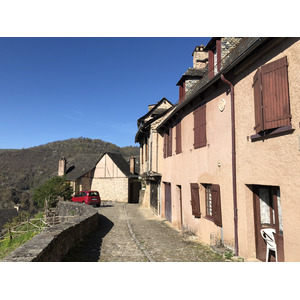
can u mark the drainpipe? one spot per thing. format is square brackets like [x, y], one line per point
[233, 164]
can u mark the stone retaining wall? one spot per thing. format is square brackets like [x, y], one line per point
[53, 243]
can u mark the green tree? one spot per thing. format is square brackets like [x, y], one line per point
[53, 189]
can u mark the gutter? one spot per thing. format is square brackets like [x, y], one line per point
[235, 211]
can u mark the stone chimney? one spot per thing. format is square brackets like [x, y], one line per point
[132, 165]
[62, 166]
[200, 57]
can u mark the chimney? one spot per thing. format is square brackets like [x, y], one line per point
[132, 165]
[200, 57]
[62, 166]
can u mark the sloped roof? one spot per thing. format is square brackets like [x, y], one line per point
[121, 163]
[193, 73]
[83, 163]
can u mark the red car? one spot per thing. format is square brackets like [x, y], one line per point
[87, 197]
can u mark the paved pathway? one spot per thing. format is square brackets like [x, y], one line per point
[132, 233]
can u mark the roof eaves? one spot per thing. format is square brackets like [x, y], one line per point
[202, 85]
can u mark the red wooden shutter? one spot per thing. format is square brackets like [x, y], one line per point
[210, 64]
[216, 204]
[170, 142]
[258, 102]
[275, 94]
[195, 202]
[218, 46]
[200, 127]
[178, 138]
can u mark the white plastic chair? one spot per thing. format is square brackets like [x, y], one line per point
[268, 235]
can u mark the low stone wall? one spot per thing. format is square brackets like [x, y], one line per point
[53, 243]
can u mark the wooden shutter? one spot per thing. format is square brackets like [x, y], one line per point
[200, 127]
[195, 202]
[165, 145]
[146, 150]
[170, 142]
[218, 46]
[275, 94]
[180, 94]
[258, 102]
[178, 138]
[210, 64]
[216, 204]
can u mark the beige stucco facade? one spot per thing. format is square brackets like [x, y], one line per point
[206, 165]
[271, 162]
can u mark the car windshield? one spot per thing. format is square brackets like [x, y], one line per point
[94, 194]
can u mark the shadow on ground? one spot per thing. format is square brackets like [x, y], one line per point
[89, 249]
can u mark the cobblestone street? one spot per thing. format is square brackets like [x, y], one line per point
[132, 233]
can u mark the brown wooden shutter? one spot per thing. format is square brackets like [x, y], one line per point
[275, 94]
[200, 127]
[180, 94]
[258, 102]
[183, 91]
[178, 138]
[218, 46]
[216, 204]
[195, 202]
[170, 142]
[165, 145]
[210, 64]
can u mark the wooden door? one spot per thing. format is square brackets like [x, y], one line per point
[267, 214]
[153, 195]
[168, 202]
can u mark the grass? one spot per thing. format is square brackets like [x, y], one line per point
[7, 245]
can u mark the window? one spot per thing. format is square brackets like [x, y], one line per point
[168, 143]
[200, 127]
[208, 200]
[213, 203]
[214, 59]
[178, 138]
[195, 201]
[271, 96]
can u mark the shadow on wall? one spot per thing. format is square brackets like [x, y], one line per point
[89, 249]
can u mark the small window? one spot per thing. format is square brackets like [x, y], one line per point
[208, 200]
[213, 203]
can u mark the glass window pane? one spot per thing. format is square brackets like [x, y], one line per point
[264, 207]
[279, 212]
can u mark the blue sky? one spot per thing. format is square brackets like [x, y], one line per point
[59, 88]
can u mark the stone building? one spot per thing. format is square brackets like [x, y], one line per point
[109, 174]
[151, 152]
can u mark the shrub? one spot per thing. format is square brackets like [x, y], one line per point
[53, 189]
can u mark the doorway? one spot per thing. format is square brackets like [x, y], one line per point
[267, 214]
[168, 202]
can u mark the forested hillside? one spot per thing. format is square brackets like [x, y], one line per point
[23, 170]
